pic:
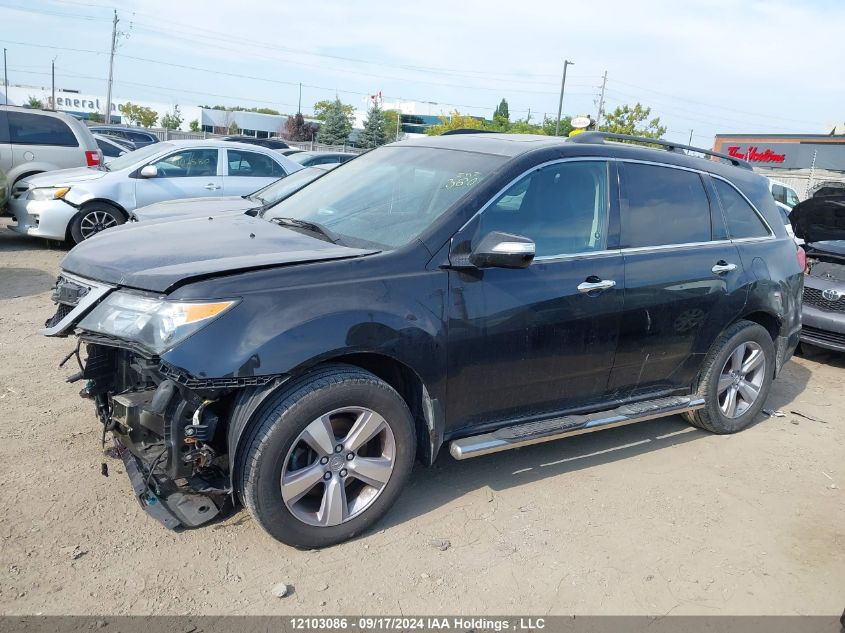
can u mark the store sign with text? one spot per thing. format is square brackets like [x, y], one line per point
[756, 154]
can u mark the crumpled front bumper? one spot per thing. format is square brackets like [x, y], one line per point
[41, 218]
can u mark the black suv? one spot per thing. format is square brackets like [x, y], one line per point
[483, 291]
[139, 138]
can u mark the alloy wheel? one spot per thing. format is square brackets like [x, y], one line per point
[338, 466]
[741, 379]
[95, 221]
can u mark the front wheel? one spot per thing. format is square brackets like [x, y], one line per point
[93, 218]
[735, 378]
[328, 457]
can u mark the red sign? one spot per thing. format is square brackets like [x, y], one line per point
[754, 155]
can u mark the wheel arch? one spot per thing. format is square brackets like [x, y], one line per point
[88, 203]
[773, 324]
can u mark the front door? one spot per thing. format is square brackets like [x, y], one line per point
[535, 340]
[683, 278]
[187, 173]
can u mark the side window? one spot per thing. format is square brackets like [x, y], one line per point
[187, 163]
[779, 194]
[253, 164]
[4, 128]
[109, 149]
[35, 129]
[662, 206]
[139, 137]
[791, 197]
[742, 220]
[562, 207]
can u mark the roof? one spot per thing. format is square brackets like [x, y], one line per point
[509, 145]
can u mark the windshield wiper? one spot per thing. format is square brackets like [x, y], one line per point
[312, 227]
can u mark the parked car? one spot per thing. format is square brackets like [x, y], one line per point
[820, 222]
[309, 159]
[35, 141]
[110, 147]
[290, 151]
[785, 198]
[263, 198]
[139, 138]
[484, 292]
[77, 204]
[269, 143]
[4, 190]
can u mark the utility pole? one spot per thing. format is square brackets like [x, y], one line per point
[111, 68]
[53, 97]
[5, 78]
[601, 99]
[299, 104]
[398, 120]
[566, 63]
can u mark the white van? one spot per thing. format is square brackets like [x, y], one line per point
[785, 198]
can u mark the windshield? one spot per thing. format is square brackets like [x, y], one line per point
[138, 156]
[388, 196]
[283, 187]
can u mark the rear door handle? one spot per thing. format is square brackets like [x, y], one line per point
[723, 267]
[211, 186]
[592, 286]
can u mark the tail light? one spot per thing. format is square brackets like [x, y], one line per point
[802, 259]
[92, 158]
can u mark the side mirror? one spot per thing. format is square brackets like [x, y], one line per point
[503, 250]
[149, 171]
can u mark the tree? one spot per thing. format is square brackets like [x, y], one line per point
[392, 125]
[34, 103]
[172, 120]
[296, 128]
[524, 126]
[234, 128]
[337, 124]
[549, 125]
[502, 110]
[634, 121]
[194, 126]
[455, 121]
[96, 117]
[322, 108]
[137, 114]
[374, 133]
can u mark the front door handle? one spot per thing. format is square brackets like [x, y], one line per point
[211, 186]
[593, 286]
[723, 267]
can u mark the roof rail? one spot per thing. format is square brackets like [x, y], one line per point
[599, 137]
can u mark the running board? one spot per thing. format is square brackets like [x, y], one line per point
[555, 428]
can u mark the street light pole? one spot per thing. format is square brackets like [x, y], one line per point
[111, 68]
[5, 78]
[566, 63]
[53, 91]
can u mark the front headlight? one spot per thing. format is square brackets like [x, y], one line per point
[47, 193]
[155, 324]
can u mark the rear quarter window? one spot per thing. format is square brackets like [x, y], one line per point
[37, 129]
[741, 218]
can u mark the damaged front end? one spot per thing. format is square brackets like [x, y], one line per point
[165, 428]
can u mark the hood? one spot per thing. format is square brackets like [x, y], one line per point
[62, 177]
[819, 219]
[193, 206]
[158, 255]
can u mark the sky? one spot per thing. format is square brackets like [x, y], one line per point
[722, 66]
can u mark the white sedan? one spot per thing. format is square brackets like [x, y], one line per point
[78, 203]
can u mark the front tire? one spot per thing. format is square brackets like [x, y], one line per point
[93, 218]
[735, 379]
[327, 457]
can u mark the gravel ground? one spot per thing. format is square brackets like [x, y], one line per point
[654, 518]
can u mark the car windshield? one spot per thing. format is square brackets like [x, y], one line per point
[390, 195]
[283, 187]
[138, 156]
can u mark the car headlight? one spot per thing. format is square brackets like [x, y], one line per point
[47, 193]
[155, 324]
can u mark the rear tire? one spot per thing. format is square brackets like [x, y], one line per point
[309, 475]
[735, 379]
[93, 218]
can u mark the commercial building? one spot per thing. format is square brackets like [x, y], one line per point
[799, 160]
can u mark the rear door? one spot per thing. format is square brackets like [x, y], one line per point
[248, 171]
[44, 139]
[5, 147]
[185, 173]
[683, 277]
[535, 340]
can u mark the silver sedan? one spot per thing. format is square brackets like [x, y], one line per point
[78, 203]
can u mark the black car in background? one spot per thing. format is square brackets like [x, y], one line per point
[478, 291]
[269, 143]
[310, 159]
[820, 222]
[138, 138]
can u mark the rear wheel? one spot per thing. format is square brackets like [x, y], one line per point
[735, 379]
[93, 218]
[328, 457]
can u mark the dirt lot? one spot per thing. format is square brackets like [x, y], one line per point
[654, 518]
